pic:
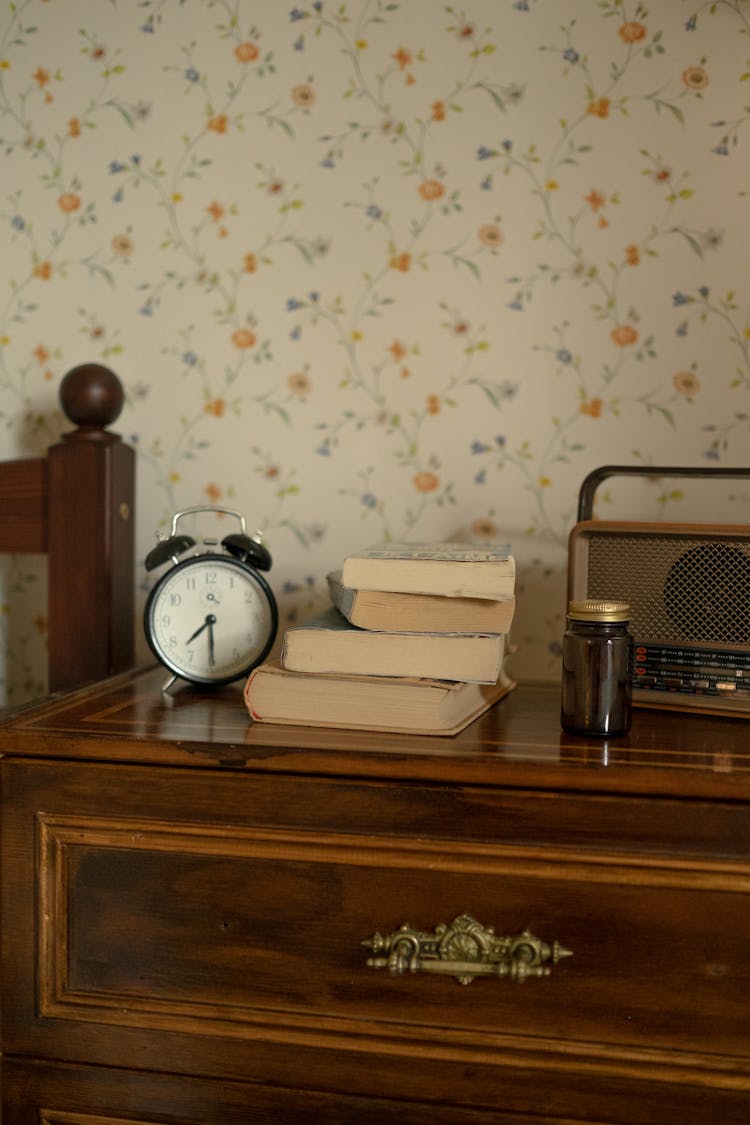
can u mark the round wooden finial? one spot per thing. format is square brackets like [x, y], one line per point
[92, 396]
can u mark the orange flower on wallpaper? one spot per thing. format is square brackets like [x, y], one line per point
[69, 202]
[299, 383]
[632, 32]
[595, 199]
[42, 270]
[490, 235]
[213, 492]
[433, 404]
[74, 127]
[401, 262]
[122, 245]
[431, 189]
[215, 210]
[41, 77]
[243, 338]
[632, 255]
[303, 95]
[218, 124]
[592, 407]
[397, 349]
[41, 353]
[599, 107]
[695, 78]
[484, 527]
[624, 334]
[438, 111]
[249, 263]
[215, 407]
[686, 383]
[403, 58]
[246, 52]
[425, 481]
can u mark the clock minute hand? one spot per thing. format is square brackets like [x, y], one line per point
[210, 620]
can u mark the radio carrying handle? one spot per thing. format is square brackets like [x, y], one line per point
[596, 476]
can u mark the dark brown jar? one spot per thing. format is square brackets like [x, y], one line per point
[597, 657]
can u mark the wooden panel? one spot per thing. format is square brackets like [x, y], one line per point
[23, 506]
[253, 933]
[91, 537]
[88, 1096]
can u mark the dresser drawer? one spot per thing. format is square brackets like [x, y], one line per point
[225, 944]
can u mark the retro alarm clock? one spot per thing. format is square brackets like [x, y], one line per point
[211, 617]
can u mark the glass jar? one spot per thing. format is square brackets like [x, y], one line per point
[597, 658]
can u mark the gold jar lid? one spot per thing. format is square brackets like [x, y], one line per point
[599, 609]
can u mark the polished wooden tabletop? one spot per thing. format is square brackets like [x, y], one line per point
[517, 742]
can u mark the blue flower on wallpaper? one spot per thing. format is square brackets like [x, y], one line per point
[191, 74]
[500, 439]
[704, 291]
[480, 477]
[296, 14]
[292, 303]
[479, 447]
[681, 299]
[299, 44]
[374, 212]
[721, 150]
[18, 222]
[486, 183]
[691, 24]
[563, 355]
[116, 166]
[571, 55]
[369, 500]
[484, 153]
[189, 359]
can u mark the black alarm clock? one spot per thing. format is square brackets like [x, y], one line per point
[212, 616]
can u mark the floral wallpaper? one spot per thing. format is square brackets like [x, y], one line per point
[377, 269]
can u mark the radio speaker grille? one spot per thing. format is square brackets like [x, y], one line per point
[682, 590]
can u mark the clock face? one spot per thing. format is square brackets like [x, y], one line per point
[211, 619]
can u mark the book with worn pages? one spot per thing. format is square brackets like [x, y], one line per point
[419, 613]
[451, 569]
[327, 642]
[397, 704]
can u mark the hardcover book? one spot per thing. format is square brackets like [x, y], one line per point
[448, 569]
[379, 703]
[419, 613]
[327, 642]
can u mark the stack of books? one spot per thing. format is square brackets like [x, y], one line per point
[414, 640]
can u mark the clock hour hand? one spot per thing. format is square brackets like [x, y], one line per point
[207, 624]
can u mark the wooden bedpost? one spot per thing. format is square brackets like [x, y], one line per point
[91, 534]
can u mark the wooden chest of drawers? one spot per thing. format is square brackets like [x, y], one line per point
[185, 899]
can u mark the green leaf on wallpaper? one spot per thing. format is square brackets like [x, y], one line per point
[691, 241]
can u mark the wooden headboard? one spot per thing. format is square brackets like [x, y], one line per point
[76, 505]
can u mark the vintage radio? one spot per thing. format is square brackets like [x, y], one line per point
[688, 586]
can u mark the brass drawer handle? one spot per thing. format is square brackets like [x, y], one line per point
[463, 949]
